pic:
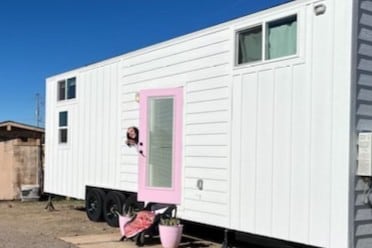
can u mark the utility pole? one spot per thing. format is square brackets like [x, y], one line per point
[37, 110]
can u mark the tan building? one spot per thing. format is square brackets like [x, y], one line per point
[20, 159]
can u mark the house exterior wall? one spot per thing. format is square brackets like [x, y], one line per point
[290, 149]
[26, 161]
[200, 63]
[91, 154]
[362, 97]
[7, 190]
[19, 164]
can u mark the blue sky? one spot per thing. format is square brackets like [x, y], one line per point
[41, 38]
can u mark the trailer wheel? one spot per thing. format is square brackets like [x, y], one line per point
[112, 207]
[133, 204]
[94, 204]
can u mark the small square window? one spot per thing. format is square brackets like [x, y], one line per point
[63, 135]
[63, 118]
[61, 90]
[62, 124]
[250, 45]
[71, 88]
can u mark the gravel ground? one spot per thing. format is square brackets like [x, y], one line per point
[29, 224]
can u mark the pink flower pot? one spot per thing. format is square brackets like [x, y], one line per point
[170, 236]
[122, 221]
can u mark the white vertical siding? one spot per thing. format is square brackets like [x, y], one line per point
[49, 170]
[321, 128]
[264, 143]
[341, 229]
[248, 129]
[300, 155]
[286, 145]
[90, 156]
[282, 126]
[265, 109]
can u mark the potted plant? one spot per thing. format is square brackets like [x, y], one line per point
[128, 214]
[170, 231]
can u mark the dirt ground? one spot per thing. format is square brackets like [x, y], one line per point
[29, 224]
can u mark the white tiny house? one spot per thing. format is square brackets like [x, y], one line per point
[250, 125]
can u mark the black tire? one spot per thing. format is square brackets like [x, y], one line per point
[94, 204]
[112, 206]
[132, 203]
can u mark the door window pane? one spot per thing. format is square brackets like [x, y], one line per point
[250, 45]
[281, 38]
[160, 171]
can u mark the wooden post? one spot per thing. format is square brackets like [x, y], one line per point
[49, 205]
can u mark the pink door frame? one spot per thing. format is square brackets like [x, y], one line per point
[161, 195]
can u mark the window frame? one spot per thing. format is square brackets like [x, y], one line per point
[62, 127]
[267, 44]
[264, 27]
[66, 92]
[69, 88]
[61, 94]
[246, 30]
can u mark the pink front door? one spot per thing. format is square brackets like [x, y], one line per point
[160, 145]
